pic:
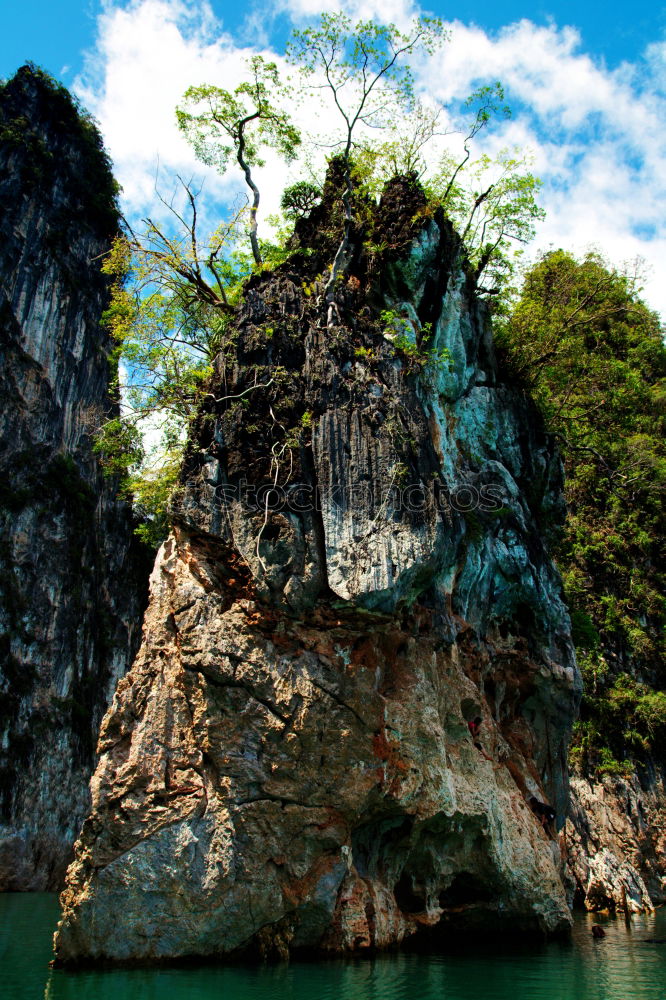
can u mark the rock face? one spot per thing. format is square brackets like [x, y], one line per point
[357, 569]
[71, 579]
[616, 842]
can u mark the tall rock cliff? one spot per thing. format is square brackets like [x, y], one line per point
[358, 568]
[616, 829]
[72, 580]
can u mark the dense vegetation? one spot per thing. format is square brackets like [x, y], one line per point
[592, 354]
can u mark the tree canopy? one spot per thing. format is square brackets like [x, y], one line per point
[593, 356]
[220, 124]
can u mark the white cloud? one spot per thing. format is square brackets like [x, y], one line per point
[599, 145]
[398, 12]
[597, 135]
[147, 54]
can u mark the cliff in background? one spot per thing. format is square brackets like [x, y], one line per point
[592, 355]
[72, 579]
[616, 836]
[616, 829]
[288, 764]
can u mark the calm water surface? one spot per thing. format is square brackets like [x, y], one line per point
[624, 966]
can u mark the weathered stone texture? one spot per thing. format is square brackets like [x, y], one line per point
[288, 763]
[72, 581]
[616, 842]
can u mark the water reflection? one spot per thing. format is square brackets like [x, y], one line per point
[625, 965]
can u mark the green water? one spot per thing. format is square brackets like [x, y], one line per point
[624, 966]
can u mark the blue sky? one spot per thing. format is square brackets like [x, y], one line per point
[56, 34]
[587, 82]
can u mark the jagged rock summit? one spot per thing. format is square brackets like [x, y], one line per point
[72, 579]
[358, 567]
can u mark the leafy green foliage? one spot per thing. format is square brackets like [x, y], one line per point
[119, 444]
[492, 202]
[411, 128]
[624, 720]
[365, 67]
[171, 299]
[493, 205]
[219, 124]
[216, 122]
[401, 150]
[415, 349]
[299, 199]
[150, 490]
[593, 356]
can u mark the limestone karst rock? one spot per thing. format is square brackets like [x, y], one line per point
[72, 580]
[616, 841]
[358, 567]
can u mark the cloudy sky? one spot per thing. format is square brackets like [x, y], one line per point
[587, 84]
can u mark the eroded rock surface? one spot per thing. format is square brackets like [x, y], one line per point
[288, 763]
[616, 842]
[72, 582]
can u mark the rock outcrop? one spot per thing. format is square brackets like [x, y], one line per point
[72, 581]
[358, 568]
[616, 842]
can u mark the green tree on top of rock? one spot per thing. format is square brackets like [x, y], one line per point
[222, 125]
[364, 69]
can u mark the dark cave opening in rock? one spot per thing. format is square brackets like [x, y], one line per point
[465, 889]
[406, 896]
[271, 532]
[376, 846]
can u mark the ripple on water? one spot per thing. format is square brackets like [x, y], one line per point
[625, 965]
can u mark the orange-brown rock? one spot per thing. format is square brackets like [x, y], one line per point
[616, 841]
[241, 785]
[288, 764]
